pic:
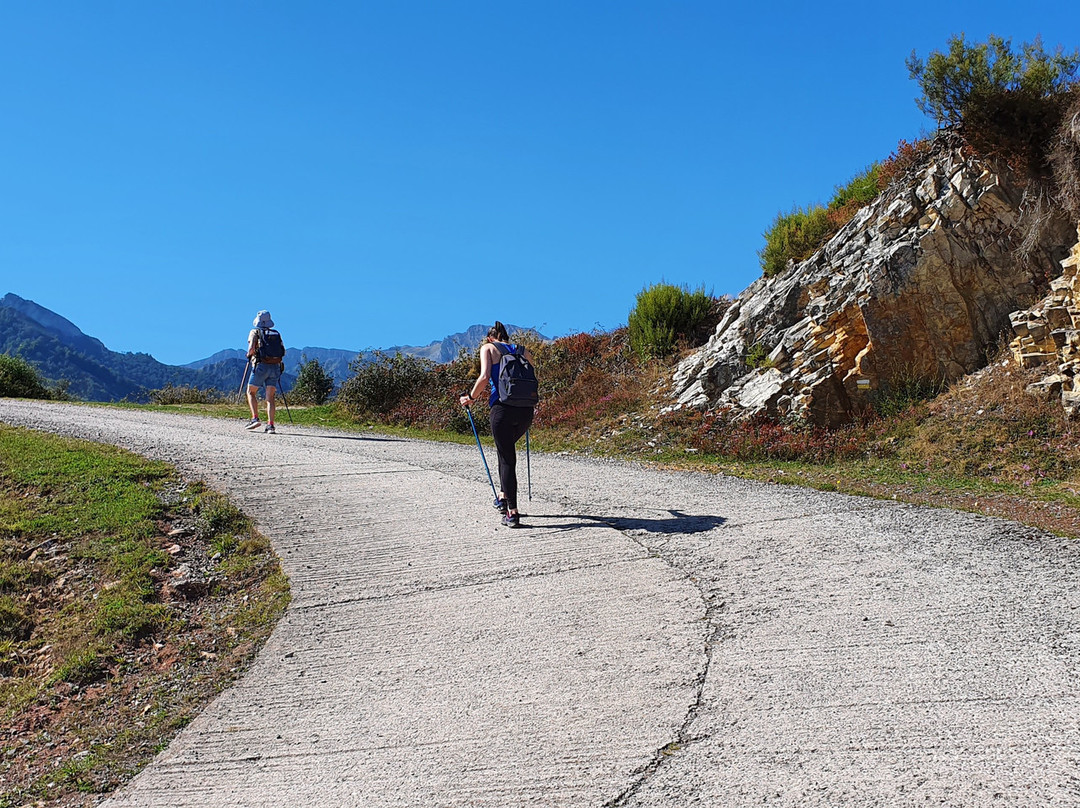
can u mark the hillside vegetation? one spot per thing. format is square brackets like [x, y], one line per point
[1007, 105]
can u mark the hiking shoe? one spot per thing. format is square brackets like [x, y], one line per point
[512, 520]
[500, 505]
[254, 423]
[270, 429]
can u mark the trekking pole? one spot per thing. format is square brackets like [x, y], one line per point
[528, 463]
[282, 389]
[481, 448]
[243, 382]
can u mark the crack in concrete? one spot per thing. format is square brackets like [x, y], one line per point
[714, 635]
[462, 585]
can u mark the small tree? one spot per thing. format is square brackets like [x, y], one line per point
[313, 384]
[1006, 104]
[20, 379]
[971, 74]
[666, 314]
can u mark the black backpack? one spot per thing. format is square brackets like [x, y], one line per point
[516, 385]
[270, 348]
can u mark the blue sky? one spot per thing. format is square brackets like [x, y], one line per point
[381, 173]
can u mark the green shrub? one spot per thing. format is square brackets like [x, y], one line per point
[851, 198]
[758, 357]
[794, 236]
[313, 384]
[185, 394]
[20, 379]
[665, 315]
[379, 385]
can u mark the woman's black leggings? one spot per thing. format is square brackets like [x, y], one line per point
[508, 424]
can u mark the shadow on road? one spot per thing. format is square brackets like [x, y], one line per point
[679, 522]
[341, 437]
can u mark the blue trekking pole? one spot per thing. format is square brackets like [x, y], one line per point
[528, 463]
[481, 448]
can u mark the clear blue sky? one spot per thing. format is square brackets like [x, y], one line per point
[380, 173]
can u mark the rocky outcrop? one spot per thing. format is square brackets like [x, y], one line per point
[1049, 335]
[918, 286]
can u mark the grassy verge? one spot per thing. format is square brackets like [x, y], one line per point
[127, 601]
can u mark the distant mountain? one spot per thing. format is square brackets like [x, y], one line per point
[61, 351]
[447, 349]
[336, 361]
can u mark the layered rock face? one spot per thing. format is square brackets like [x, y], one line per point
[1048, 335]
[918, 286]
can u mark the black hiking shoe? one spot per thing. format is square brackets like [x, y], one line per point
[500, 505]
[512, 520]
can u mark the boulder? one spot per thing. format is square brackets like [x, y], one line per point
[919, 285]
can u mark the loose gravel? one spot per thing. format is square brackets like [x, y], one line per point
[647, 638]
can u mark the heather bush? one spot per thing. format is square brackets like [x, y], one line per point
[905, 160]
[313, 383]
[761, 438]
[794, 236]
[849, 199]
[411, 391]
[666, 315]
[185, 394]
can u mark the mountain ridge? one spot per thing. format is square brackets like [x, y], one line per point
[62, 352]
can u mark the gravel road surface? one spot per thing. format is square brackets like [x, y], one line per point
[647, 638]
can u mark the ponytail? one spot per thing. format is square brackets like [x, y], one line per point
[498, 332]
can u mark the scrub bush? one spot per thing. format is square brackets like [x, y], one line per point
[857, 194]
[20, 379]
[666, 315]
[794, 236]
[381, 383]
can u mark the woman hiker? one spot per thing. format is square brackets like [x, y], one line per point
[510, 419]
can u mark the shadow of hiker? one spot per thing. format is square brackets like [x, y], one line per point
[679, 522]
[344, 437]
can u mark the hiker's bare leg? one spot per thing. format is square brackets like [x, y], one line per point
[253, 400]
[271, 406]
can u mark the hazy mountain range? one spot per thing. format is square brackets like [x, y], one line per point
[336, 360]
[61, 351]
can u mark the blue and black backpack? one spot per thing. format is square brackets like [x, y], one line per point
[516, 385]
[270, 349]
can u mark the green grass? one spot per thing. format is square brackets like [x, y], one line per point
[83, 566]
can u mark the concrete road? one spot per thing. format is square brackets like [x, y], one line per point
[645, 639]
